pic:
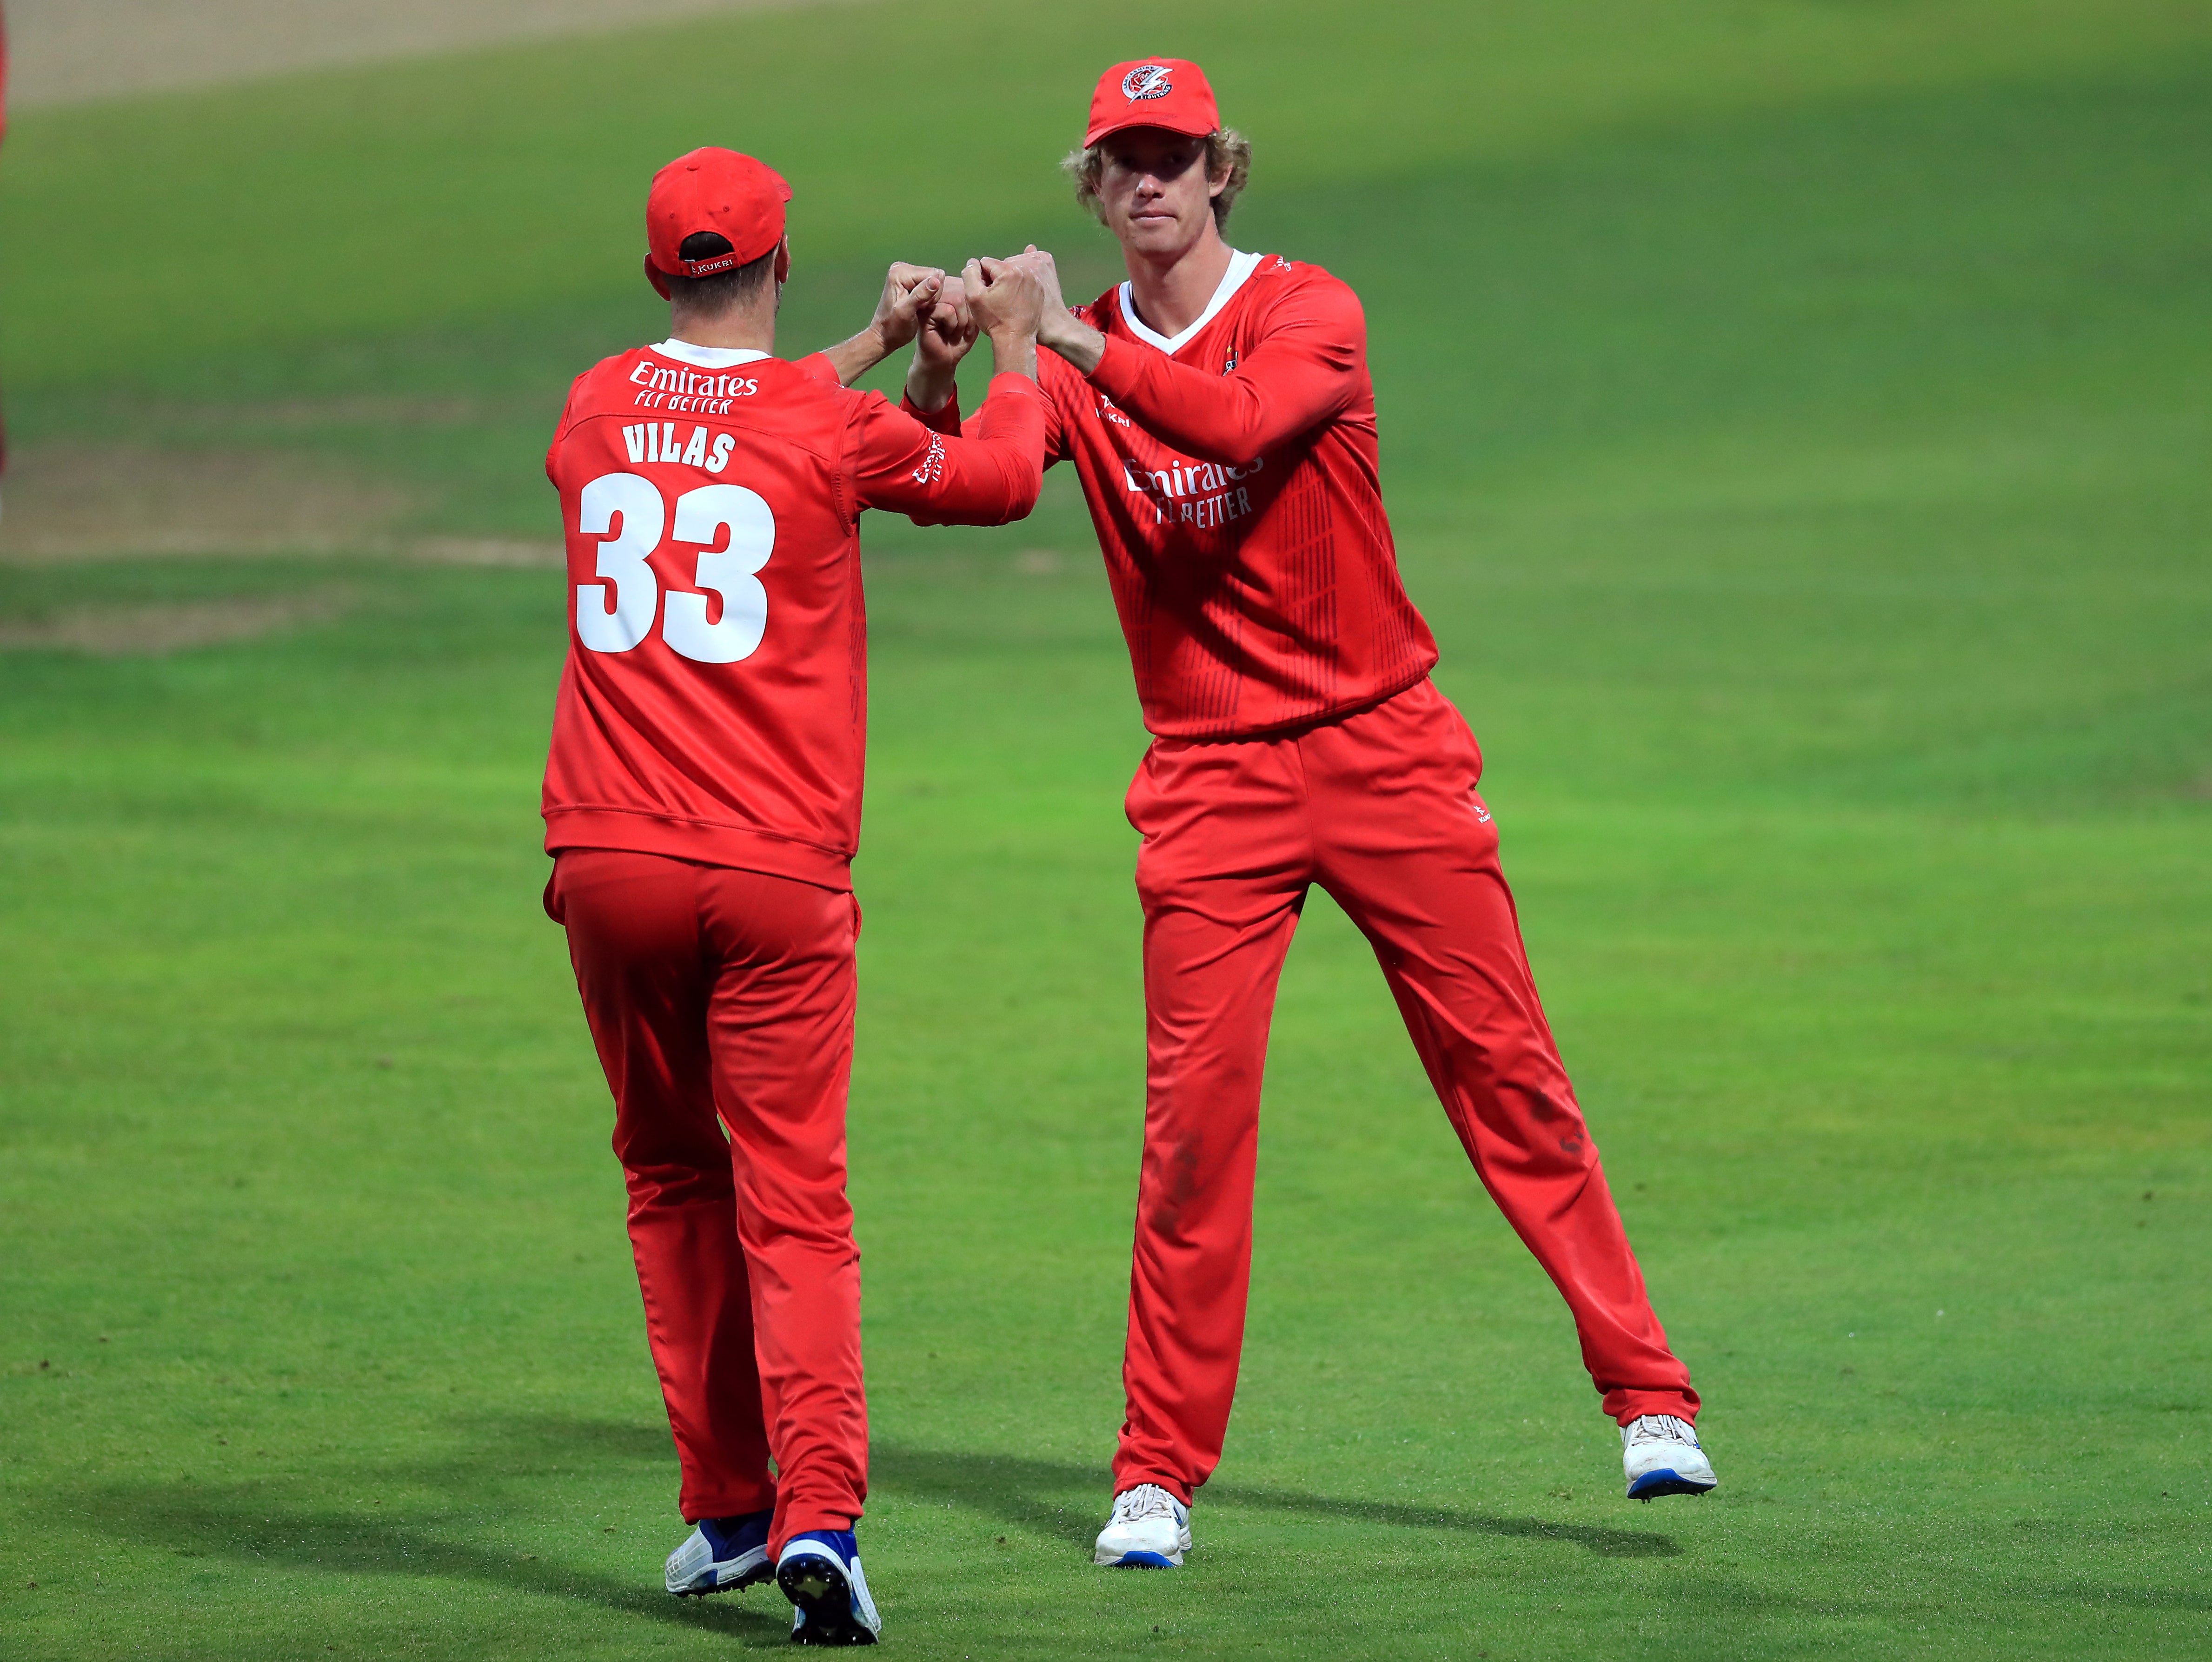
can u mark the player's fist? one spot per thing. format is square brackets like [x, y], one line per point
[1059, 328]
[948, 330]
[1003, 297]
[1040, 264]
[909, 292]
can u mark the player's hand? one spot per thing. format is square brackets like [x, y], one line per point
[909, 291]
[1040, 263]
[1003, 298]
[948, 330]
[1058, 327]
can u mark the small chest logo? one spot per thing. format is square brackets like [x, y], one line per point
[1228, 364]
[932, 464]
[1146, 81]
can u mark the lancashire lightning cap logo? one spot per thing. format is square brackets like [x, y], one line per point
[1146, 81]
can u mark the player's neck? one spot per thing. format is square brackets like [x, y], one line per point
[742, 328]
[1172, 294]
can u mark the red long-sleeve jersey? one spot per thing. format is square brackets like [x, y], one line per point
[1231, 474]
[713, 705]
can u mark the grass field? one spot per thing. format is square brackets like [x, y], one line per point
[1795, 424]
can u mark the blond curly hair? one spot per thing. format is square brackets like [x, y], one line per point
[1228, 156]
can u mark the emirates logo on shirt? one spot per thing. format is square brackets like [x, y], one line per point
[1146, 81]
[1204, 496]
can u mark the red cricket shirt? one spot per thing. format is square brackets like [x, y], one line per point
[715, 703]
[1231, 473]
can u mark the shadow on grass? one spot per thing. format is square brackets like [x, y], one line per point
[301, 1521]
[1015, 1490]
[229, 1522]
[1056, 1499]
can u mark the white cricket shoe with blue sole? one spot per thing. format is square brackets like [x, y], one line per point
[1150, 1529]
[1662, 1456]
[720, 1556]
[820, 1573]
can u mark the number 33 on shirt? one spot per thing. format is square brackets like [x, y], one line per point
[628, 511]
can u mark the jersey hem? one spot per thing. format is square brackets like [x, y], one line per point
[703, 842]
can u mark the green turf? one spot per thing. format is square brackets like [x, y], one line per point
[1795, 421]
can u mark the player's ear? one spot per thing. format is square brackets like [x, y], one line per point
[783, 259]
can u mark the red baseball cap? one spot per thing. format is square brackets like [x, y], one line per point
[1153, 92]
[734, 196]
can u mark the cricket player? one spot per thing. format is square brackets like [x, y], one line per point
[1217, 409]
[703, 804]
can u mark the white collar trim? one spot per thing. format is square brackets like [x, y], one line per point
[708, 357]
[1241, 266]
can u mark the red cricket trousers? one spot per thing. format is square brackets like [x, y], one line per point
[715, 992]
[1380, 809]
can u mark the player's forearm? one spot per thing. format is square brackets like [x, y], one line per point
[1063, 332]
[945, 419]
[1013, 352]
[993, 475]
[854, 358]
[1012, 422]
[1227, 419]
[930, 387]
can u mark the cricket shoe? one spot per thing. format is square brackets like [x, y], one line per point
[1150, 1529]
[1660, 1455]
[820, 1573]
[720, 1556]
